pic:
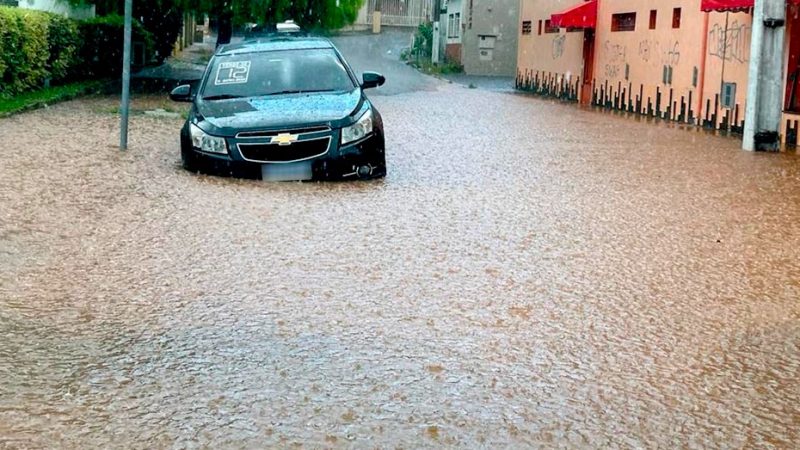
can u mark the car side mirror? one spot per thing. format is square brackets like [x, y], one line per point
[372, 79]
[182, 93]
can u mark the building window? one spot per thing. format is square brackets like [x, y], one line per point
[676, 18]
[454, 26]
[728, 95]
[623, 22]
[653, 18]
[540, 28]
[450, 18]
[526, 27]
[548, 28]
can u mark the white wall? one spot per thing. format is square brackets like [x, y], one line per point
[59, 7]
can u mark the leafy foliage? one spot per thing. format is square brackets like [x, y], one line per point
[423, 39]
[163, 19]
[63, 43]
[101, 54]
[310, 14]
[37, 46]
[23, 49]
[422, 46]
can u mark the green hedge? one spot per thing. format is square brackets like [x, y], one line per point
[64, 43]
[101, 52]
[23, 49]
[38, 47]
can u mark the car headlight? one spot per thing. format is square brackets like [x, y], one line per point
[358, 130]
[206, 142]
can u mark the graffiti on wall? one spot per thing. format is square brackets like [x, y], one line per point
[617, 59]
[558, 45]
[732, 44]
[666, 54]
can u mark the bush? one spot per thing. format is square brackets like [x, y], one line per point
[423, 40]
[37, 46]
[164, 20]
[101, 49]
[63, 44]
[23, 50]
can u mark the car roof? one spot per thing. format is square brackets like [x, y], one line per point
[274, 43]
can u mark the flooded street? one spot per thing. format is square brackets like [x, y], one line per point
[528, 274]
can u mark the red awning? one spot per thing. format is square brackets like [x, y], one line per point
[732, 5]
[583, 15]
[726, 5]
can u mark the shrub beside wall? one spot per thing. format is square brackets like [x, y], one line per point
[103, 57]
[63, 45]
[37, 47]
[23, 49]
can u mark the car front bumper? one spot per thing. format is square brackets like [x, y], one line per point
[362, 159]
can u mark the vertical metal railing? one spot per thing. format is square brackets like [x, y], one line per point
[401, 13]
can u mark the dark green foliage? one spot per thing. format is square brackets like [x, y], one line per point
[163, 19]
[101, 52]
[23, 49]
[310, 14]
[63, 43]
[423, 40]
[38, 47]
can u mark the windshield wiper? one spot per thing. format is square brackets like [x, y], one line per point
[222, 97]
[298, 91]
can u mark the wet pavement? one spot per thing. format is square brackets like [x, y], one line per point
[529, 274]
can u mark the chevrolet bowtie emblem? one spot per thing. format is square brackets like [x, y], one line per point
[284, 139]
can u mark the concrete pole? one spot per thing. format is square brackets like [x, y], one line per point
[765, 77]
[435, 44]
[126, 78]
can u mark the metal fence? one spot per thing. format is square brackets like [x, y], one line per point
[401, 13]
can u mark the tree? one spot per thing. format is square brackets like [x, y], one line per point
[162, 18]
[310, 14]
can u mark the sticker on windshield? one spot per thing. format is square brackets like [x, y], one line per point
[232, 72]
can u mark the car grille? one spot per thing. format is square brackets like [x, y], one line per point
[297, 151]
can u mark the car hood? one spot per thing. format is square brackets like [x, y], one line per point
[292, 110]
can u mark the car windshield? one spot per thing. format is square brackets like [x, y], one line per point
[276, 72]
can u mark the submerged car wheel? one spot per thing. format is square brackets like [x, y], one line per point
[380, 167]
[188, 161]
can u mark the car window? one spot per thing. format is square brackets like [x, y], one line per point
[258, 74]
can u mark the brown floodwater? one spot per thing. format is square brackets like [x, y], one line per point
[528, 274]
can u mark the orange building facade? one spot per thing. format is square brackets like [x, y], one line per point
[662, 58]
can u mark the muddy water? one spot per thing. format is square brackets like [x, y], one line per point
[528, 274]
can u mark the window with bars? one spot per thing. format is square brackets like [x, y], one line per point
[527, 27]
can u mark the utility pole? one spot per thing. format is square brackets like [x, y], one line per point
[765, 77]
[126, 78]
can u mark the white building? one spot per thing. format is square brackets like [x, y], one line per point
[59, 7]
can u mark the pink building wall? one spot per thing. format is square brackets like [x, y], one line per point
[652, 71]
[672, 72]
[548, 62]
